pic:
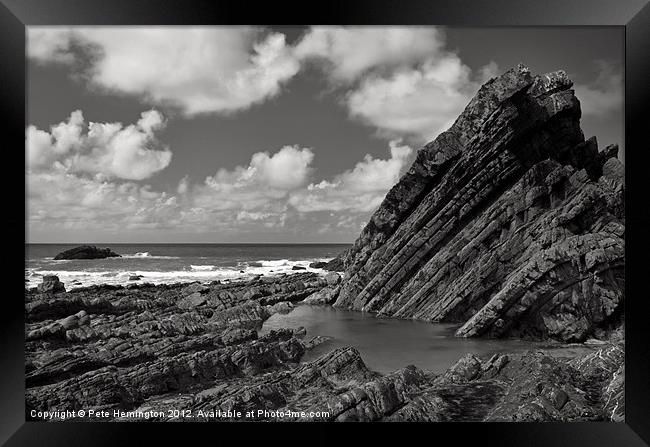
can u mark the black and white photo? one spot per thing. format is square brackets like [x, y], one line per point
[325, 223]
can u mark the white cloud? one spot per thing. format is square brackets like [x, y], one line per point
[231, 200]
[248, 215]
[266, 179]
[49, 44]
[605, 94]
[183, 185]
[286, 169]
[271, 193]
[81, 177]
[201, 70]
[60, 199]
[401, 80]
[352, 51]
[421, 102]
[360, 189]
[39, 149]
[109, 149]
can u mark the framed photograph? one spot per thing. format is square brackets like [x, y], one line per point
[431, 214]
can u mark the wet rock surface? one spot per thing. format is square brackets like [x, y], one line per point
[50, 284]
[510, 223]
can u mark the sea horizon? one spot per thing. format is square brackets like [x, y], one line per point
[172, 262]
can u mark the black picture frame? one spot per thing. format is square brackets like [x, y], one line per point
[633, 15]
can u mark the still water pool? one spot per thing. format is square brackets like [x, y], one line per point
[389, 344]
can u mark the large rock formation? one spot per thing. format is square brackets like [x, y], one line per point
[87, 252]
[509, 223]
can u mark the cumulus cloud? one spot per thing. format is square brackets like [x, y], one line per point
[109, 149]
[183, 185]
[401, 80]
[605, 94]
[50, 44]
[360, 189]
[61, 199]
[420, 102]
[200, 70]
[286, 169]
[351, 52]
[274, 192]
[267, 178]
[241, 199]
[82, 176]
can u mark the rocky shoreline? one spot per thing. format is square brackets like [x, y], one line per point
[195, 348]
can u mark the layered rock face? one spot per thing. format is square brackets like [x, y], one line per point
[509, 223]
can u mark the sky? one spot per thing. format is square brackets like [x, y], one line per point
[264, 134]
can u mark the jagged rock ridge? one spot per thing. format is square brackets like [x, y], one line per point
[509, 222]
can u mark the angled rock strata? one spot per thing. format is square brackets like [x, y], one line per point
[510, 223]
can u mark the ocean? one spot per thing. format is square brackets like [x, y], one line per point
[170, 263]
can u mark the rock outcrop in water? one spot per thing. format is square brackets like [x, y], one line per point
[87, 252]
[509, 223]
[50, 284]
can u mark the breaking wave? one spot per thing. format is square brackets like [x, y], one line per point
[202, 267]
[178, 272]
[145, 255]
